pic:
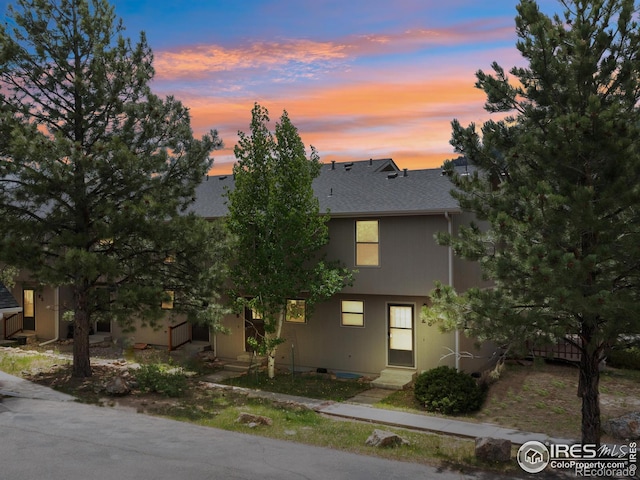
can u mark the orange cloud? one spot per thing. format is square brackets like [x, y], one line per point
[409, 121]
[352, 111]
[204, 60]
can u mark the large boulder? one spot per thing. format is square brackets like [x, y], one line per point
[117, 387]
[253, 420]
[626, 427]
[493, 450]
[382, 438]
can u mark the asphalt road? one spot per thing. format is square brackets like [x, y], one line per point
[53, 440]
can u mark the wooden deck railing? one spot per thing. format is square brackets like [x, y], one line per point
[13, 325]
[562, 350]
[179, 335]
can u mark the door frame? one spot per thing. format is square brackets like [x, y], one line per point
[32, 318]
[401, 358]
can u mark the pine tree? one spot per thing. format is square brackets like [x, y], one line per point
[555, 189]
[97, 173]
[278, 230]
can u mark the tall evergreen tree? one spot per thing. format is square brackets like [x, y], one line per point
[96, 172]
[556, 189]
[275, 220]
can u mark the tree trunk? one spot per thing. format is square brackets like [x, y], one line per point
[273, 342]
[588, 390]
[271, 363]
[81, 357]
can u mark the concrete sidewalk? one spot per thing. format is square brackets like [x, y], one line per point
[359, 408]
[428, 423]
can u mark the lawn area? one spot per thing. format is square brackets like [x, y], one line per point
[310, 385]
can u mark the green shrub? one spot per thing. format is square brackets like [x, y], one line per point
[628, 357]
[445, 390]
[157, 378]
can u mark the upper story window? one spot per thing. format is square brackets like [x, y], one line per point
[296, 311]
[168, 298]
[367, 243]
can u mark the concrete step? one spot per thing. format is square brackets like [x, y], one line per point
[193, 348]
[100, 338]
[248, 357]
[25, 338]
[237, 366]
[394, 379]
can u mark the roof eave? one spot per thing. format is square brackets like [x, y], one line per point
[396, 213]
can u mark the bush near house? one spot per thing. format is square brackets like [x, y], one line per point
[628, 357]
[448, 391]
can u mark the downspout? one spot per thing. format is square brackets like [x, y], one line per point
[56, 317]
[450, 262]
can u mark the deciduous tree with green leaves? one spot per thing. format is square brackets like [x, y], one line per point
[97, 172]
[275, 220]
[556, 191]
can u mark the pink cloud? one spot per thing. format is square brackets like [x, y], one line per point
[201, 61]
[204, 60]
[357, 111]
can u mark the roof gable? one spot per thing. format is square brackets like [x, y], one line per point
[7, 302]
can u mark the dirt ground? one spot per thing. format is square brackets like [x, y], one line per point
[542, 397]
[110, 361]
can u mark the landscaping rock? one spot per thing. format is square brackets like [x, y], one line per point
[383, 439]
[626, 427]
[250, 418]
[117, 387]
[493, 449]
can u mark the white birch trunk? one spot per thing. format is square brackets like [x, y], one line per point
[271, 354]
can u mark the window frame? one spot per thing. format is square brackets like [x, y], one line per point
[351, 312]
[364, 243]
[170, 303]
[288, 318]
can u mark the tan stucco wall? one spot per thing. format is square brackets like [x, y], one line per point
[411, 262]
[410, 259]
[323, 342]
[484, 355]
[147, 334]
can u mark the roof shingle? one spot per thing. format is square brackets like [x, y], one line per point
[7, 302]
[362, 188]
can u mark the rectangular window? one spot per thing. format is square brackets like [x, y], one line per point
[29, 306]
[296, 311]
[167, 301]
[352, 313]
[401, 327]
[367, 243]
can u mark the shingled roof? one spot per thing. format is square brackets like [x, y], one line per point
[8, 304]
[362, 188]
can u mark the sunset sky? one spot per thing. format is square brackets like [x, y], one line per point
[360, 79]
